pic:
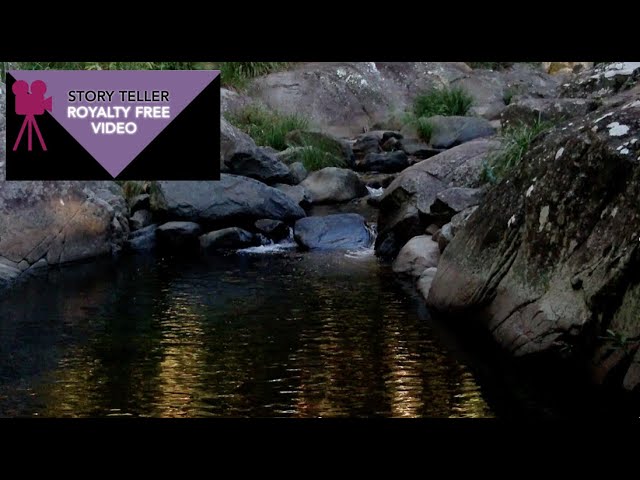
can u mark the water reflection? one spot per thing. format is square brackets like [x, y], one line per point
[311, 335]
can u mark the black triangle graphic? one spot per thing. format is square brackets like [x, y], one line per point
[188, 148]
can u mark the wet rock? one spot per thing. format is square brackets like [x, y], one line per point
[140, 219]
[227, 239]
[259, 164]
[425, 281]
[451, 131]
[416, 256]
[387, 162]
[232, 200]
[178, 237]
[272, 229]
[333, 232]
[334, 185]
[143, 239]
[140, 202]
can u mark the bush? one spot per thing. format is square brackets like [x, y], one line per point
[516, 141]
[445, 101]
[267, 128]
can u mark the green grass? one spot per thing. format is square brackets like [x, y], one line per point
[132, 188]
[267, 128]
[237, 74]
[314, 158]
[444, 101]
[516, 141]
[490, 65]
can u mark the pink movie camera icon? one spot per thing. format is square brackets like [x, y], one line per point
[29, 105]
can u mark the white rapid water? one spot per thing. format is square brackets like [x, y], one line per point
[375, 192]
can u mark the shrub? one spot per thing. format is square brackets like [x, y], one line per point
[445, 101]
[267, 128]
[516, 141]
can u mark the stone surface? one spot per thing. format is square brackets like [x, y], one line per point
[231, 200]
[272, 229]
[333, 185]
[232, 141]
[259, 164]
[226, 239]
[425, 281]
[60, 221]
[451, 131]
[297, 193]
[143, 239]
[549, 260]
[531, 110]
[178, 237]
[387, 162]
[140, 219]
[405, 206]
[454, 200]
[459, 220]
[333, 232]
[298, 172]
[416, 256]
[140, 202]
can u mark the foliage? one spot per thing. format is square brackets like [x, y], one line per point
[267, 128]
[516, 141]
[315, 158]
[444, 101]
[237, 74]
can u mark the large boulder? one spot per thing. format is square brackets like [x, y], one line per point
[334, 185]
[416, 256]
[387, 162]
[454, 200]
[603, 80]
[454, 130]
[405, 206]
[531, 110]
[297, 193]
[227, 239]
[347, 98]
[226, 202]
[333, 232]
[260, 164]
[549, 262]
[60, 222]
[232, 141]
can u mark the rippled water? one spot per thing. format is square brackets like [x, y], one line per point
[313, 335]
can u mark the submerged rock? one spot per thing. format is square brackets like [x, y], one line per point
[227, 239]
[333, 232]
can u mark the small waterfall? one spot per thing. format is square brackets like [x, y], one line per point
[268, 246]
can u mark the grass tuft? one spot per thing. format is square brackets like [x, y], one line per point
[314, 158]
[516, 141]
[267, 128]
[444, 101]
